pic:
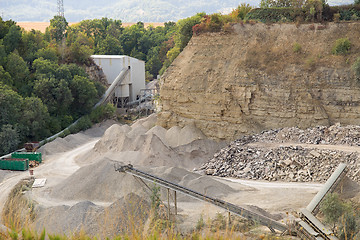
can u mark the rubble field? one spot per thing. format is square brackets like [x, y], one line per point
[289, 154]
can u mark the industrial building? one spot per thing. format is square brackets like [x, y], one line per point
[125, 74]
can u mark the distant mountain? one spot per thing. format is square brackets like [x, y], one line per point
[125, 10]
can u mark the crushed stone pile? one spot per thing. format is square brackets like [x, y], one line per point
[71, 141]
[145, 144]
[100, 182]
[104, 222]
[97, 182]
[244, 159]
[334, 135]
[191, 180]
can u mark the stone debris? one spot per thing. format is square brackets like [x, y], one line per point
[334, 135]
[293, 163]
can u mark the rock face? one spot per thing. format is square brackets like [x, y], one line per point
[252, 80]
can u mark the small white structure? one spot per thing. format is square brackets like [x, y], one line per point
[134, 81]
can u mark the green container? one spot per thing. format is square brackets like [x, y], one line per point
[32, 156]
[15, 164]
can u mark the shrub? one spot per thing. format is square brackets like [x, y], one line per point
[83, 124]
[296, 47]
[200, 223]
[356, 67]
[102, 112]
[341, 46]
[241, 11]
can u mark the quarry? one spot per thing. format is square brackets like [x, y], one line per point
[244, 120]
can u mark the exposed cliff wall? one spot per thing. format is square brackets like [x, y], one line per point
[252, 79]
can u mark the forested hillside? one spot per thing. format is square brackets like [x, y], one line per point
[44, 86]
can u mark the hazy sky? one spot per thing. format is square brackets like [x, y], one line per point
[125, 10]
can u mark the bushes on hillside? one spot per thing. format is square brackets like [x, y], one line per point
[310, 11]
[275, 14]
[341, 47]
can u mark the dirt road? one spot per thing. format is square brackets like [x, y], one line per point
[55, 168]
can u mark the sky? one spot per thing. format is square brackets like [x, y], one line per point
[125, 10]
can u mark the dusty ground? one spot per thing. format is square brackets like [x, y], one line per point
[82, 183]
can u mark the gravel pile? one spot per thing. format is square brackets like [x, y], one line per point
[288, 163]
[335, 135]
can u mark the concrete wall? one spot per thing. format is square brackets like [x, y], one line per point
[133, 82]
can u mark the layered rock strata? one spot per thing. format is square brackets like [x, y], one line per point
[253, 79]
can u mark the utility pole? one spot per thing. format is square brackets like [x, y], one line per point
[60, 7]
[60, 13]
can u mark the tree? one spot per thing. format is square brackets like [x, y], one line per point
[3, 55]
[12, 39]
[84, 94]
[281, 3]
[332, 208]
[57, 28]
[9, 139]
[44, 68]
[18, 69]
[56, 94]
[10, 105]
[48, 53]
[78, 53]
[35, 118]
[110, 46]
[31, 42]
[184, 30]
[5, 77]
[5, 26]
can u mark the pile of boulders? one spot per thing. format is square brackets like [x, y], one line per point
[287, 163]
[335, 134]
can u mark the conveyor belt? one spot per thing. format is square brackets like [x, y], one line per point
[263, 220]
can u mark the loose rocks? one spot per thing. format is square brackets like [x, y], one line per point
[288, 163]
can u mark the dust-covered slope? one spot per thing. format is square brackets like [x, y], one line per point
[252, 80]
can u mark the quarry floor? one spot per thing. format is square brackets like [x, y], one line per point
[60, 163]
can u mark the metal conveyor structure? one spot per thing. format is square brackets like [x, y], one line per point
[113, 86]
[242, 212]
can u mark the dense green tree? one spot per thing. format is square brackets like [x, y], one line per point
[31, 42]
[3, 55]
[19, 71]
[34, 119]
[110, 46]
[44, 68]
[85, 95]
[78, 53]
[55, 93]
[129, 37]
[12, 39]
[48, 53]
[75, 69]
[10, 105]
[9, 139]
[153, 63]
[57, 28]
[5, 77]
[184, 30]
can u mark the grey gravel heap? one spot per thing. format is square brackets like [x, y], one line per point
[287, 163]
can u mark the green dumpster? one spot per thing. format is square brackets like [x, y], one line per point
[15, 164]
[32, 156]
